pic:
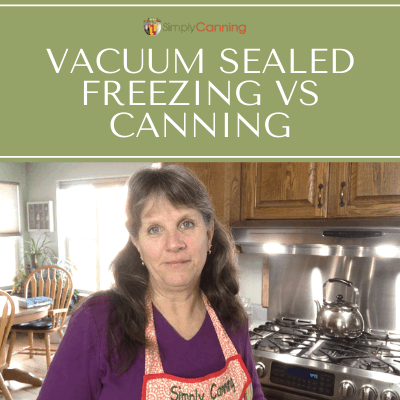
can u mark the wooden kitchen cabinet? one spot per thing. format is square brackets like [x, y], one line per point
[223, 183]
[364, 189]
[284, 190]
[293, 190]
[300, 190]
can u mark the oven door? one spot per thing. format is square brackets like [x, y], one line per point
[271, 393]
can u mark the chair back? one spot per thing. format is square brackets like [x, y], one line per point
[7, 312]
[55, 282]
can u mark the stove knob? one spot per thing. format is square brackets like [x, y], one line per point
[368, 392]
[347, 389]
[389, 394]
[260, 369]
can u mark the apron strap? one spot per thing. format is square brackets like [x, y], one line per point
[227, 346]
[153, 363]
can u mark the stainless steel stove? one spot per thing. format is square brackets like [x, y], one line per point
[294, 361]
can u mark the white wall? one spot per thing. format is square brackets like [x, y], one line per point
[251, 284]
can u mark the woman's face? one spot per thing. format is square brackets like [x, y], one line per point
[173, 243]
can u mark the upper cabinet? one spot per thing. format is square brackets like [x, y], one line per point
[284, 190]
[364, 190]
[300, 190]
[223, 183]
[320, 190]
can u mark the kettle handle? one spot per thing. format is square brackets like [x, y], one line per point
[345, 282]
[348, 283]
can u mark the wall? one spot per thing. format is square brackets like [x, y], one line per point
[251, 284]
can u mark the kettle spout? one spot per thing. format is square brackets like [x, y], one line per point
[318, 306]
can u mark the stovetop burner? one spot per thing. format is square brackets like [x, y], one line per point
[319, 356]
[372, 351]
[373, 364]
[284, 343]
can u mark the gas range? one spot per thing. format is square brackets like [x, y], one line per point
[295, 361]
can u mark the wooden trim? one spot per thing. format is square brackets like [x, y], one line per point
[248, 188]
[265, 282]
[234, 186]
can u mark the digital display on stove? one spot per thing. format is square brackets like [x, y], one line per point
[302, 373]
[309, 380]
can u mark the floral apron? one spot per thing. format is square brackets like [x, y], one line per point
[232, 382]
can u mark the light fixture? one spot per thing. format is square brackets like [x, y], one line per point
[387, 251]
[273, 248]
[324, 251]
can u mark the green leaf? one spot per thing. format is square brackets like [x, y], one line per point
[41, 246]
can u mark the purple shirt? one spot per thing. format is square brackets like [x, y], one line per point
[80, 370]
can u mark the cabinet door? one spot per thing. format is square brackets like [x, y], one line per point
[364, 189]
[223, 183]
[284, 190]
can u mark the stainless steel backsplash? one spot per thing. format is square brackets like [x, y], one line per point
[297, 280]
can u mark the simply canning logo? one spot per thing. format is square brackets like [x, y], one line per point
[204, 27]
[152, 26]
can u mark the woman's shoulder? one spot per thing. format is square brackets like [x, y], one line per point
[96, 308]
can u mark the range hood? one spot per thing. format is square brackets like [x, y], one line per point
[369, 237]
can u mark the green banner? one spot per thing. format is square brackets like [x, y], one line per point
[102, 81]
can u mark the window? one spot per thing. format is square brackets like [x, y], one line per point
[9, 209]
[91, 216]
[9, 230]
[9, 250]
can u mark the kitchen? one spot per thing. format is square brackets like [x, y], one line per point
[293, 192]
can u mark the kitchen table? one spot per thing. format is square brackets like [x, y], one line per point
[24, 315]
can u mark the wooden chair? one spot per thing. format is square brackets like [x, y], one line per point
[50, 281]
[7, 311]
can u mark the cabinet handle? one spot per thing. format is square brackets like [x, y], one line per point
[320, 187]
[342, 204]
[255, 191]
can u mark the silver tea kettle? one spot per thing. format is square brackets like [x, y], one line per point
[339, 318]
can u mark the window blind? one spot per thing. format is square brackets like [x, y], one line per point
[9, 209]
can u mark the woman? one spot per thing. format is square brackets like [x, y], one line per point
[172, 326]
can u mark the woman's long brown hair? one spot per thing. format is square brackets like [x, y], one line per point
[219, 278]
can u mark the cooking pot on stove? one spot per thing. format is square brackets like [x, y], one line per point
[340, 318]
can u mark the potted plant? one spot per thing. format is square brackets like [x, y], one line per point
[19, 280]
[38, 252]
